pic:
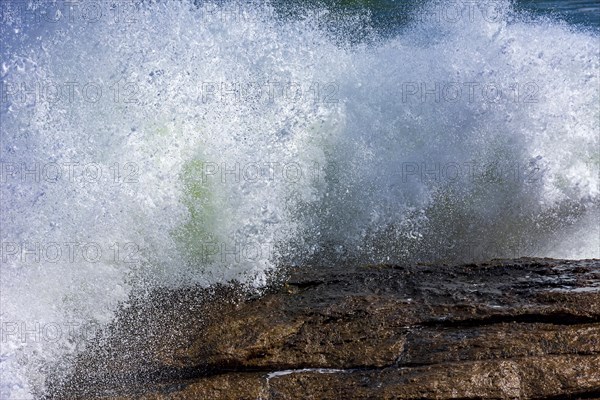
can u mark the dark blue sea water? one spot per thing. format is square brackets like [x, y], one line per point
[583, 12]
[580, 12]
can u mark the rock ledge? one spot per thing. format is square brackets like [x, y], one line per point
[526, 328]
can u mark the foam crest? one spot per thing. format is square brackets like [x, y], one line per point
[181, 144]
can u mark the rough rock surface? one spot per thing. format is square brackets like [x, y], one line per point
[526, 328]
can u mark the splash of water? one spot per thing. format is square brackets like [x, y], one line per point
[175, 143]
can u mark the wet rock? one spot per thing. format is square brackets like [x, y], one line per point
[526, 328]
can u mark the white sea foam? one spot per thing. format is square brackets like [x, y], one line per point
[380, 151]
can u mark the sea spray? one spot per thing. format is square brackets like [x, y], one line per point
[167, 143]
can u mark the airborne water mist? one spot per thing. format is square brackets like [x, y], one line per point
[180, 144]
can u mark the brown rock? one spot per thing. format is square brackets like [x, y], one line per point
[527, 328]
